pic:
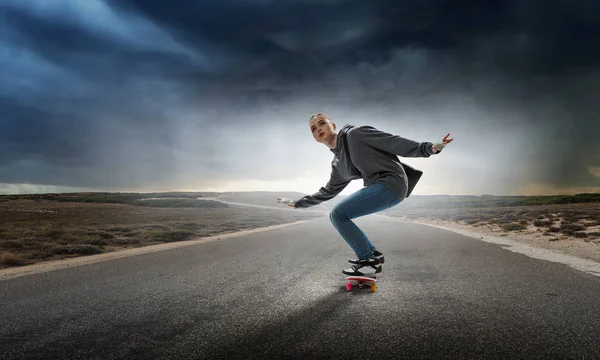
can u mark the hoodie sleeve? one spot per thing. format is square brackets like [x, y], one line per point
[334, 186]
[391, 143]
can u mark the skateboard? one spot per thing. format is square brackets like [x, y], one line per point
[361, 281]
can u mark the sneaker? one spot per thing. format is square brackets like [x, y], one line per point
[377, 254]
[364, 267]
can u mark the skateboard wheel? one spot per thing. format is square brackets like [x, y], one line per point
[348, 286]
[373, 287]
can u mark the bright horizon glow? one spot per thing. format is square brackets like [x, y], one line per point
[301, 185]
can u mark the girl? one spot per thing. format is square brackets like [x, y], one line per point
[363, 152]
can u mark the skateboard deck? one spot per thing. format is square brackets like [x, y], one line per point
[361, 281]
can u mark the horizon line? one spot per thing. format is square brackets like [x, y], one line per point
[267, 191]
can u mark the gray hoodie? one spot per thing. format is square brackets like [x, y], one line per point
[373, 157]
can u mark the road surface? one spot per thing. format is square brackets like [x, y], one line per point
[280, 294]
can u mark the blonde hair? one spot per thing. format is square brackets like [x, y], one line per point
[319, 113]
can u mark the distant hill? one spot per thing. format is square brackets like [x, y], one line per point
[486, 201]
[491, 200]
[169, 199]
[269, 198]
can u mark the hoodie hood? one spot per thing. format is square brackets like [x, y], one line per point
[341, 138]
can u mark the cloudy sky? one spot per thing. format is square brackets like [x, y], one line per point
[132, 95]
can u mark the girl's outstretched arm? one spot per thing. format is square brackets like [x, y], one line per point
[393, 143]
[334, 186]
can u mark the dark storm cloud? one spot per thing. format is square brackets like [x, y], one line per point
[138, 92]
[36, 134]
[89, 53]
[527, 37]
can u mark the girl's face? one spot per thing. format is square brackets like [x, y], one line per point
[322, 129]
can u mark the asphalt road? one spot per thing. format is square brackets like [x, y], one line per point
[281, 294]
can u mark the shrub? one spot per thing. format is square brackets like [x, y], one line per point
[101, 234]
[84, 249]
[8, 258]
[12, 244]
[572, 227]
[191, 226]
[54, 234]
[97, 242]
[542, 223]
[126, 241]
[169, 235]
[132, 233]
[119, 229]
[513, 227]
[156, 227]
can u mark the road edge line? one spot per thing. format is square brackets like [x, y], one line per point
[584, 265]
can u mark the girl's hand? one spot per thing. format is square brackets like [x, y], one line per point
[437, 147]
[287, 201]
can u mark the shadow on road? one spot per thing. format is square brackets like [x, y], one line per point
[295, 331]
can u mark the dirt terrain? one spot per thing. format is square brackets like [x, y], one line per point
[37, 231]
[572, 229]
[46, 227]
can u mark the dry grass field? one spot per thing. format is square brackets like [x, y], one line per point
[558, 221]
[33, 231]
[573, 229]
[38, 228]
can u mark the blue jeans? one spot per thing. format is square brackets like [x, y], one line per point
[368, 200]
